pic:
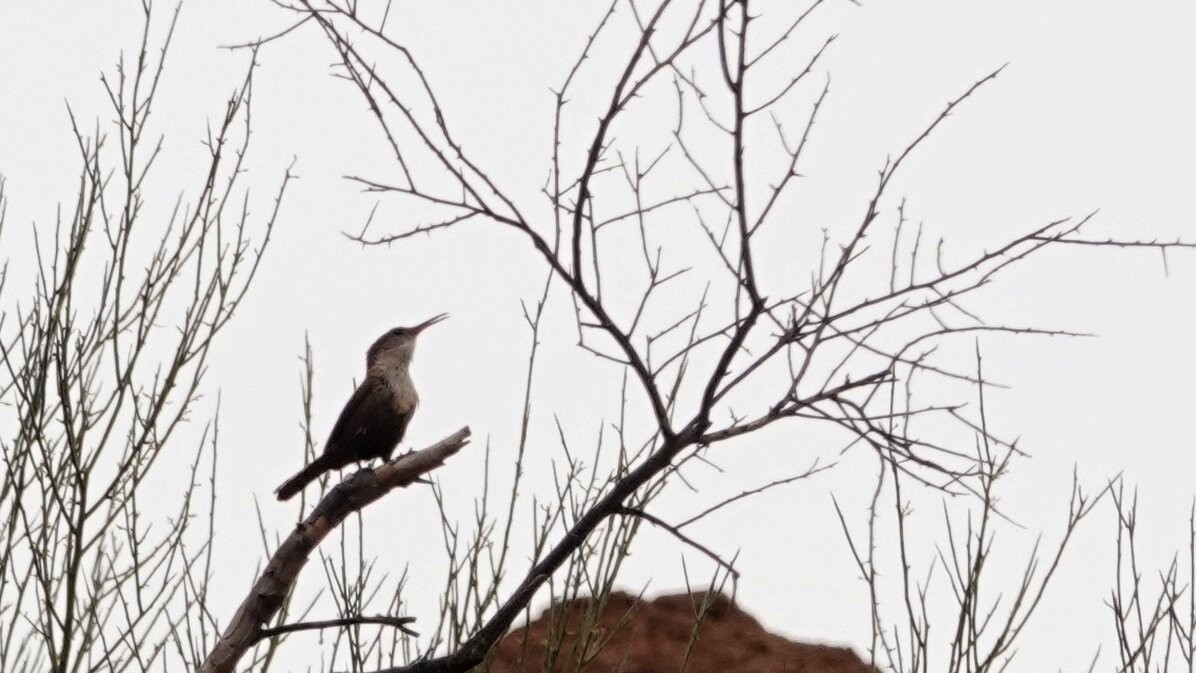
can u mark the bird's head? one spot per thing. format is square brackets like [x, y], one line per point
[398, 344]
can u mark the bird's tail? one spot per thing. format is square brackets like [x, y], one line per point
[296, 483]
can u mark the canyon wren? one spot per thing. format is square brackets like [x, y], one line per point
[373, 421]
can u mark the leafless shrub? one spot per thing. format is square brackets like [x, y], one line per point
[1154, 616]
[830, 338]
[987, 615]
[704, 320]
[102, 365]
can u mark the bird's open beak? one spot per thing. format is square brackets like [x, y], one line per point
[428, 323]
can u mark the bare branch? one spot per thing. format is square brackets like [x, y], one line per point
[280, 574]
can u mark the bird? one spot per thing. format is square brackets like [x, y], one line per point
[374, 419]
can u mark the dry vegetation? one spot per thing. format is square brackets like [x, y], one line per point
[717, 339]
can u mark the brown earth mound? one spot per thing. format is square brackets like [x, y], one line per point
[640, 636]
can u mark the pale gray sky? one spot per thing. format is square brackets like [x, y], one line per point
[1093, 111]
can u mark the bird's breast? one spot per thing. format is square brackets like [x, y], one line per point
[403, 394]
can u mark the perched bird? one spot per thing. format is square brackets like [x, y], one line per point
[376, 416]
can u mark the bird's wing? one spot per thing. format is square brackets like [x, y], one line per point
[401, 427]
[369, 405]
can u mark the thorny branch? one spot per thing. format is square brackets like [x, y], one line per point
[819, 348]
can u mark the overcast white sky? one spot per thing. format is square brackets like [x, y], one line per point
[1094, 111]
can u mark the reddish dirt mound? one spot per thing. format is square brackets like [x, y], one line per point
[631, 636]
